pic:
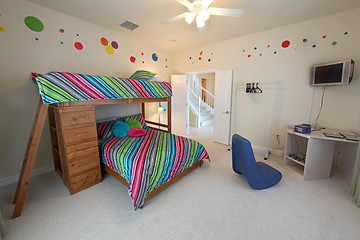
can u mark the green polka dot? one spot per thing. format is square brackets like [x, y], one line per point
[244, 50]
[334, 43]
[61, 42]
[34, 24]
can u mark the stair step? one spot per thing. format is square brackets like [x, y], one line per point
[206, 123]
[207, 117]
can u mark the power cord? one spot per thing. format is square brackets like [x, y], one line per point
[317, 127]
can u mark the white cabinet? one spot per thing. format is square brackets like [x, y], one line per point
[320, 152]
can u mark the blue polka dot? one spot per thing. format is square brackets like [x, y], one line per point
[314, 46]
[36, 39]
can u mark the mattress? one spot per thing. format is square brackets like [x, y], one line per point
[56, 87]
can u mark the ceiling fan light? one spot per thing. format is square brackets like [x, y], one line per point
[204, 14]
[200, 22]
[189, 17]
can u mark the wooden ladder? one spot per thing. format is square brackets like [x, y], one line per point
[29, 158]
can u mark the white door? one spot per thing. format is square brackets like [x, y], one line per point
[179, 109]
[222, 109]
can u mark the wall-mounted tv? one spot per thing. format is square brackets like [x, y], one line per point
[337, 73]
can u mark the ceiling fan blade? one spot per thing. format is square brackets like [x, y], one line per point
[184, 2]
[174, 18]
[230, 12]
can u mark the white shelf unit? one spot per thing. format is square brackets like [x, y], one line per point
[319, 152]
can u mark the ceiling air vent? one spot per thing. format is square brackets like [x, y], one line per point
[129, 25]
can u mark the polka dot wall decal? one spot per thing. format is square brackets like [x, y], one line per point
[324, 36]
[260, 54]
[61, 30]
[61, 42]
[209, 60]
[77, 34]
[201, 52]
[314, 46]
[78, 46]
[189, 57]
[346, 33]
[132, 59]
[37, 39]
[285, 44]
[295, 48]
[243, 50]
[2, 29]
[275, 52]
[34, 24]
[200, 58]
[305, 40]
[255, 48]
[249, 56]
[104, 41]
[268, 46]
[155, 57]
[334, 43]
[165, 59]
[143, 62]
[114, 44]
[109, 49]
[212, 53]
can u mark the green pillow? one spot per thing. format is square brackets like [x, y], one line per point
[134, 124]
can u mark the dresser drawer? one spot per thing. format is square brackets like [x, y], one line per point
[85, 180]
[80, 133]
[82, 149]
[69, 119]
[83, 164]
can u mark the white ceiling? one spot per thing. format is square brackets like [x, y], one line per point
[259, 15]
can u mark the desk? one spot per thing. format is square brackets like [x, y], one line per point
[322, 154]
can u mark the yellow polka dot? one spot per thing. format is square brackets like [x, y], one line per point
[109, 49]
[295, 48]
[2, 29]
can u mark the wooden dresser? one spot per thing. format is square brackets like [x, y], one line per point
[75, 146]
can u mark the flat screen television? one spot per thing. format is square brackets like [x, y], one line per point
[337, 73]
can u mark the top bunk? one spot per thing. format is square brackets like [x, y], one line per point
[72, 89]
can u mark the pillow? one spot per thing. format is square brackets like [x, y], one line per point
[104, 129]
[136, 132]
[142, 75]
[138, 117]
[134, 124]
[120, 129]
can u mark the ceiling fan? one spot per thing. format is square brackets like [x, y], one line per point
[201, 10]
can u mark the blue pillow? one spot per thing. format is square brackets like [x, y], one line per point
[120, 129]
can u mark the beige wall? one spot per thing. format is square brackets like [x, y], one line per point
[21, 54]
[210, 81]
[291, 66]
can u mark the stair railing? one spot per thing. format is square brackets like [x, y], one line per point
[207, 97]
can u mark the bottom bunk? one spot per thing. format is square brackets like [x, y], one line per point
[150, 163]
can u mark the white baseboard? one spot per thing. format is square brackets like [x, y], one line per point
[259, 149]
[35, 172]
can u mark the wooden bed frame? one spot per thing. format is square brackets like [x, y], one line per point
[57, 134]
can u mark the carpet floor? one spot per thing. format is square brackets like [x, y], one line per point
[211, 202]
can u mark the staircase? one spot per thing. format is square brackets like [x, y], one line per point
[202, 105]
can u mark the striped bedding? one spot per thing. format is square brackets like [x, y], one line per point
[58, 87]
[147, 162]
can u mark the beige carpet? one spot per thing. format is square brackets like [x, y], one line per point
[212, 202]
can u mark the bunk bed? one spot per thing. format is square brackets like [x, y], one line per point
[70, 101]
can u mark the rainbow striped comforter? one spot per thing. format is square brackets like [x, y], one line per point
[147, 162]
[58, 87]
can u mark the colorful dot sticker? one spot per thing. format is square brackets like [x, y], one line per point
[189, 57]
[155, 57]
[143, 62]
[37, 39]
[109, 49]
[334, 43]
[201, 52]
[2, 29]
[34, 24]
[346, 33]
[132, 59]
[295, 49]
[77, 34]
[285, 44]
[61, 42]
[275, 52]
[212, 53]
[249, 56]
[209, 60]
[314, 46]
[255, 48]
[268, 46]
[104, 41]
[200, 58]
[260, 54]
[324, 36]
[61, 30]
[305, 40]
[114, 44]
[78, 46]
[243, 50]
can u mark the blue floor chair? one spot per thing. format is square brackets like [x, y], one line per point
[259, 174]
